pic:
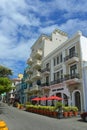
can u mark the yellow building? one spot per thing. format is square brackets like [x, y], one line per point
[20, 76]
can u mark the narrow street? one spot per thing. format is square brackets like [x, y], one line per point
[20, 120]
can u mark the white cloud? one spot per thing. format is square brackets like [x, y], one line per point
[18, 52]
[73, 25]
[22, 21]
[47, 29]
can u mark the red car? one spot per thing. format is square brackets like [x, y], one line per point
[84, 116]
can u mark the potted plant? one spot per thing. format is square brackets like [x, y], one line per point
[59, 109]
[65, 111]
[75, 110]
[70, 112]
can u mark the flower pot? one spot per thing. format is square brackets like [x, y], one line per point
[75, 113]
[65, 114]
[55, 114]
[70, 114]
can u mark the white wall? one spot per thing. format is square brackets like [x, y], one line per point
[83, 44]
[85, 86]
[57, 40]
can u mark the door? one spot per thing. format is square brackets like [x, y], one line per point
[78, 100]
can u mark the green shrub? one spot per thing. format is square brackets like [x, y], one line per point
[58, 105]
[74, 108]
[66, 109]
[70, 108]
[28, 103]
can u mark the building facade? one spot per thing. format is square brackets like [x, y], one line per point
[41, 48]
[66, 76]
[57, 66]
[12, 95]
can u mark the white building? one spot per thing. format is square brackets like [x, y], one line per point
[66, 76]
[15, 87]
[41, 48]
[57, 67]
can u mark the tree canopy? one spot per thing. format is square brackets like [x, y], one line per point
[5, 82]
[5, 72]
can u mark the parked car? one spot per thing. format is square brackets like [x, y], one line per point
[84, 116]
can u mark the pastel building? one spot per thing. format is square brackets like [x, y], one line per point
[41, 48]
[58, 66]
[66, 76]
[12, 95]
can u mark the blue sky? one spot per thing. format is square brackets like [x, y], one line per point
[23, 21]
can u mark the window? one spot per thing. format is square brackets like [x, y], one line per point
[30, 85]
[61, 73]
[61, 58]
[47, 79]
[73, 69]
[72, 51]
[47, 65]
[58, 75]
[57, 59]
[38, 82]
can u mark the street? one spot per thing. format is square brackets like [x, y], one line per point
[21, 120]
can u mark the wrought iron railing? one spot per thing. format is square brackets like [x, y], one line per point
[66, 77]
[45, 69]
[70, 56]
[45, 84]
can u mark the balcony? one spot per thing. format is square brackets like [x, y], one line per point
[29, 71]
[26, 90]
[30, 61]
[71, 58]
[37, 64]
[56, 81]
[72, 79]
[29, 80]
[36, 87]
[38, 54]
[68, 79]
[36, 75]
[44, 84]
[45, 71]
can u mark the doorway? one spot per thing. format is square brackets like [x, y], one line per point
[77, 100]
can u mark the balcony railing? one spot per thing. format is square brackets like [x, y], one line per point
[29, 61]
[37, 64]
[66, 78]
[38, 54]
[36, 87]
[57, 81]
[36, 75]
[70, 56]
[45, 84]
[29, 80]
[28, 70]
[45, 71]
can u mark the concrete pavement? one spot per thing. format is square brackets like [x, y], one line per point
[20, 120]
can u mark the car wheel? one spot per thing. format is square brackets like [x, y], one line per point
[86, 118]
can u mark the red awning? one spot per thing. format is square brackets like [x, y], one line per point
[36, 99]
[43, 98]
[54, 98]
